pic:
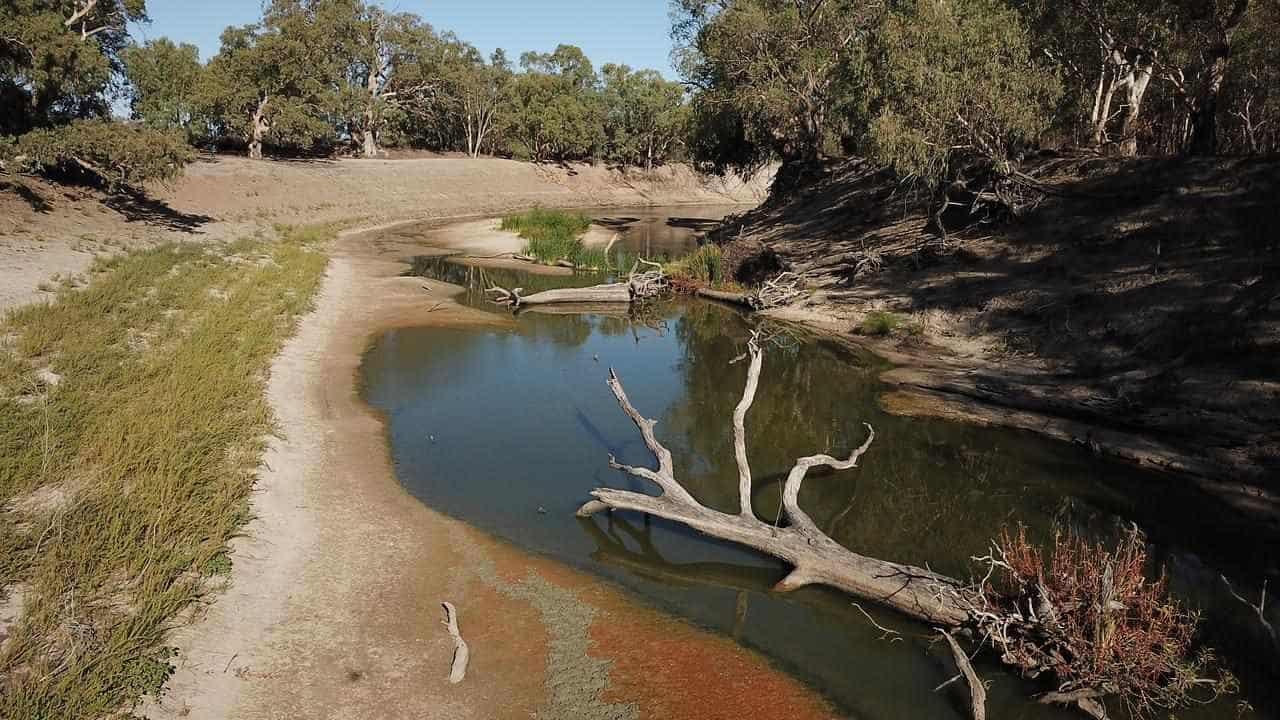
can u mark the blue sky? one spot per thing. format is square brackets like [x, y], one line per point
[634, 32]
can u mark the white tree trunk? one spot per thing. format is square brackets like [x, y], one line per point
[260, 127]
[1136, 91]
[816, 558]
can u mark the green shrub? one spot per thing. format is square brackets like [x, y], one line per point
[121, 155]
[553, 235]
[880, 323]
[702, 265]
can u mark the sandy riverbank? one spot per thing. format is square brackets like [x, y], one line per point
[51, 233]
[333, 605]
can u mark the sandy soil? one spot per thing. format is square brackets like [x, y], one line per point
[49, 232]
[333, 607]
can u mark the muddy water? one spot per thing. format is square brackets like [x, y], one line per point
[511, 430]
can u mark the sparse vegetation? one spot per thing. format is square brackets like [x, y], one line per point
[553, 235]
[880, 322]
[1115, 631]
[123, 481]
[701, 266]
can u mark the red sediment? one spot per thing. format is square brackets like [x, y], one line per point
[674, 671]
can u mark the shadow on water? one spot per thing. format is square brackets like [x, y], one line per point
[930, 493]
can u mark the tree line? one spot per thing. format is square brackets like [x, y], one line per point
[948, 89]
[943, 91]
[310, 77]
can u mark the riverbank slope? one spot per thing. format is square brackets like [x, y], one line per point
[50, 233]
[1136, 310]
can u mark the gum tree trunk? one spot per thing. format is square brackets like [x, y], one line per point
[1204, 109]
[261, 125]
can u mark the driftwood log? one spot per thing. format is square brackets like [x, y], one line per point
[777, 292]
[640, 285]
[734, 298]
[609, 293]
[946, 603]
[816, 558]
[461, 653]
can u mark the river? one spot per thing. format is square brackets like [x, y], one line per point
[511, 430]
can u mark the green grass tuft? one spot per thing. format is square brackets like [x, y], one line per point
[128, 476]
[702, 265]
[554, 235]
[880, 323]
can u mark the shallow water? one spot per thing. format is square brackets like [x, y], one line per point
[511, 430]
[660, 231]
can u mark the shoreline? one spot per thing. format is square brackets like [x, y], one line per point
[928, 381]
[333, 599]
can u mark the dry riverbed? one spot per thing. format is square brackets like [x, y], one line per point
[333, 606]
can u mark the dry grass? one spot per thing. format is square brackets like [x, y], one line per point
[156, 427]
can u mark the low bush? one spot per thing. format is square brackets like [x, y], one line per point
[119, 155]
[1111, 628]
[880, 323]
[550, 235]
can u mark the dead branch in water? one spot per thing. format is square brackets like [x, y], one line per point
[1092, 622]
[609, 293]
[977, 691]
[777, 292]
[1259, 609]
[816, 558]
[461, 653]
[782, 290]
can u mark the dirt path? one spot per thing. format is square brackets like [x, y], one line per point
[333, 607]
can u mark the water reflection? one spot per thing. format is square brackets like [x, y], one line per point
[490, 426]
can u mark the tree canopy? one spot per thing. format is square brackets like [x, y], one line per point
[931, 88]
[60, 61]
[937, 88]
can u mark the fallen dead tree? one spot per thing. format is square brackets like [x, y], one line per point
[608, 293]
[817, 559]
[640, 285]
[1088, 619]
[777, 292]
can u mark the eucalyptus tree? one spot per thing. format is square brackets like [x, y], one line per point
[59, 58]
[645, 116]
[1201, 50]
[1251, 93]
[960, 93]
[164, 83]
[59, 62]
[389, 66]
[957, 82]
[476, 93]
[553, 109]
[785, 65]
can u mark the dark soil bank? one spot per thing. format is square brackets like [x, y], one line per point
[1135, 310]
